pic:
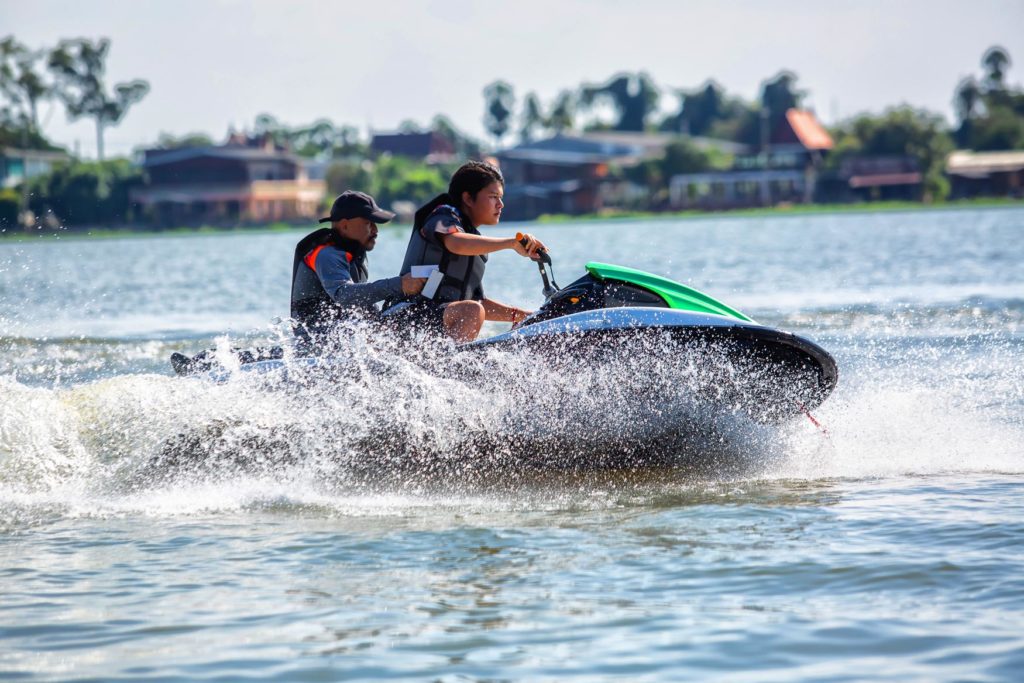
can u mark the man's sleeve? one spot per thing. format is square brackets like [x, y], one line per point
[333, 270]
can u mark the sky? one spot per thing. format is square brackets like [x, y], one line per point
[212, 64]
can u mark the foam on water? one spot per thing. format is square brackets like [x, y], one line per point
[384, 433]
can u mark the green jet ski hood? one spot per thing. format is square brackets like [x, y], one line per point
[675, 295]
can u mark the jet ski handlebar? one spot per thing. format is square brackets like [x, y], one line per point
[543, 259]
[542, 254]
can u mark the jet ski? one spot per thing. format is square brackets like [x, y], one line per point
[769, 374]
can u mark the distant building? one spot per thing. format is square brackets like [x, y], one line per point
[569, 173]
[431, 146]
[864, 178]
[785, 172]
[986, 174]
[17, 165]
[227, 185]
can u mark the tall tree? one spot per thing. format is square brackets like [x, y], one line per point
[499, 99]
[562, 116]
[995, 62]
[778, 95]
[531, 119]
[698, 110]
[634, 97]
[20, 82]
[79, 66]
[968, 97]
[315, 140]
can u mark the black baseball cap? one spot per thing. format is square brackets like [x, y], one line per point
[351, 204]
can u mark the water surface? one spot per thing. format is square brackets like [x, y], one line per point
[888, 549]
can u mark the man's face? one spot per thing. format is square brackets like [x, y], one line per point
[359, 230]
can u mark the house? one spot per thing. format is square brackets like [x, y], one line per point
[784, 171]
[431, 146]
[227, 185]
[569, 173]
[991, 174]
[17, 165]
[864, 178]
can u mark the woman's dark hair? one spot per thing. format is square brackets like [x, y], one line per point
[472, 177]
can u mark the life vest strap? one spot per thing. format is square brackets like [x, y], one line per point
[310, 258]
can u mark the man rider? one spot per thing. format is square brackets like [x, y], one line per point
[330, 274]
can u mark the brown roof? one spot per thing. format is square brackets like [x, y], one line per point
[808, 131]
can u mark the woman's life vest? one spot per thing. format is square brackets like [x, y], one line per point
[463, 275]
[312, 308]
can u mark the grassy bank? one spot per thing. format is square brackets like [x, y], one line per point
[791, 210]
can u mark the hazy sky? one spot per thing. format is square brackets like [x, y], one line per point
[214, 63]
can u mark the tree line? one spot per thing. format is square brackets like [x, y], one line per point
[990, 116]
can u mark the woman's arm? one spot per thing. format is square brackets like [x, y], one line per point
[465, 244]
[501, 313]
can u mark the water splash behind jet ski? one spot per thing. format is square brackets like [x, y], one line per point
[619, 369]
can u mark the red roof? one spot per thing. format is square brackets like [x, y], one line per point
[808, 131]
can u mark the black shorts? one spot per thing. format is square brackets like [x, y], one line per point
[420, 314]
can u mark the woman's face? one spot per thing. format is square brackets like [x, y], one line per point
[486, 208]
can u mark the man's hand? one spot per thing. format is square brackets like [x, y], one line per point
[528, 246]
[412, 285]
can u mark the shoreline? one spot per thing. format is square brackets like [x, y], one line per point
[796, 210]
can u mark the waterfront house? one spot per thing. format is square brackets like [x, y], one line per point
[571, 173]
[872, 178]
[227, 185]
[17, 165]
[986, 174]
[784, 171]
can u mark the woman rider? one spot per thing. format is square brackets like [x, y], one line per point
[445, 233]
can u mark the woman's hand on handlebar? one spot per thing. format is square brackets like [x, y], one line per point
[529, 246]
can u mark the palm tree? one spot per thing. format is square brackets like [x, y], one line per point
[995, 61]
[500, 100]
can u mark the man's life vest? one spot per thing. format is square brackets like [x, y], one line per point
[463, 275]
[311, 306]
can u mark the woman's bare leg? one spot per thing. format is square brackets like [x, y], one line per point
[463, 320]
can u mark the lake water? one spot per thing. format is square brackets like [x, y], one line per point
[891, 548]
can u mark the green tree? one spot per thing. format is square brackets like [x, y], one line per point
[680, 156]
[314, 140]
[968, 97]
[531, 119]
[991, 114]
[634, 97]
[499, 101]
[20, 82]
[900, 131]
[268, 126]
[79, 66]
[562, 115]
[698, 110]
[464, 145]
[995, 62]
[347, 142]
[779, 94]
[87, 193]
[15, 131]
[349, 174]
